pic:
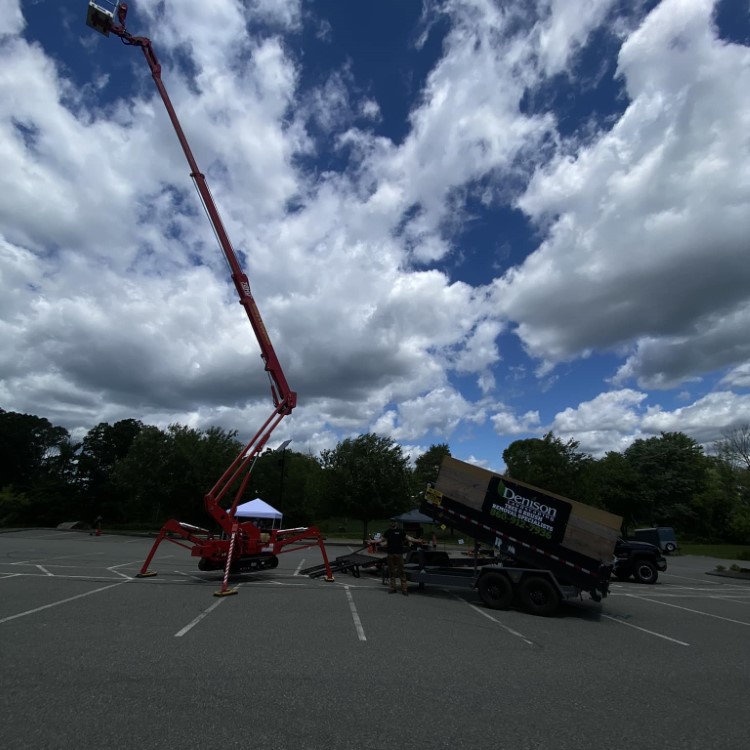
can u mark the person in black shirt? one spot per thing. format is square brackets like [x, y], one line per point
[395, 540]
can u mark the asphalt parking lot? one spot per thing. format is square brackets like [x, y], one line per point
[92, 657]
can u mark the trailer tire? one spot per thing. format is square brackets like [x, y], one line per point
[645, 571]
[538, 596]
[495, 590]
[670, 547]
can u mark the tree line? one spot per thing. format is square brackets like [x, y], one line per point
[137, 475]
[659, 481]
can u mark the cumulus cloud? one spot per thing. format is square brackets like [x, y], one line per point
[116, 301]
[648, 223]
[613, 420]
[506, 422]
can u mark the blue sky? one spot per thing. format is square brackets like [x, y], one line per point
[463, 221]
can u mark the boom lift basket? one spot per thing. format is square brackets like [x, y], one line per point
[101, 16]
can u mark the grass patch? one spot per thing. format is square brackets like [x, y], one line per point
[721, 551]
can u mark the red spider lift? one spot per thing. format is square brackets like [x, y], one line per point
[240, 546]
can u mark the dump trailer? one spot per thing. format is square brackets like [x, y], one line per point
[548, 547]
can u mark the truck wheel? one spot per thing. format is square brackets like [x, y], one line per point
[645, 571]
[495, 590]
[538, 596]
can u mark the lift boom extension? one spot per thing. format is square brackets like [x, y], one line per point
[241, 545]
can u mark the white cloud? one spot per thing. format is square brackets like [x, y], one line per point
[610, 421]
[613, 420]
[738, 377]
[11, 18]
[437, 412]
[649, 222]
[505, 422]
[565, 28]
[116, 302]
[704, 419]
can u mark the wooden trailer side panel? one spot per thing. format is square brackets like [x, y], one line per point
[550, 518]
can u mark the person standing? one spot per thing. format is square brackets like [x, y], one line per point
[395, 540]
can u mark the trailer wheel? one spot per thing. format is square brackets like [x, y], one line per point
[495, 590]
[670, 547]
[538, 596]
[645, 571]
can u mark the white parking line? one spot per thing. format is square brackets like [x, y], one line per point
[117, 572]
[203, 614]
[497, 622]
[43, 569]
[34, 560]
[122, 565]
[355, 615]
[643, 630]
[113, 568]
[299, 567]
[687, 578]
[653, 595]
[687, 609]
[62, 601]
[66, 577]
[190, 575]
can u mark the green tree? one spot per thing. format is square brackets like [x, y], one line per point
[27, 444]
[671, 473]
[368, 478]
[38, 462]
[168, 473]
[548, 463]
[101, 449]
[15, 508]
[715, 505]
[140, 480]
[614, 485]
[427, 466]
[738, 530]
[297, 494]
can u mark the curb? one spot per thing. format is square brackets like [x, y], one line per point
[729, 574]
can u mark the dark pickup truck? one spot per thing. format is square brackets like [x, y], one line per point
[639, 560]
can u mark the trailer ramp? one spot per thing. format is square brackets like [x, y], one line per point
[351, 563]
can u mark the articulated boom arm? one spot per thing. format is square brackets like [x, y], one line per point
[284, 398]
[242, 545]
